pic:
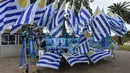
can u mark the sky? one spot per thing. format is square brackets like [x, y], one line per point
[104, 4]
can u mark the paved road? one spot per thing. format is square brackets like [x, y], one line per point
[121, 64]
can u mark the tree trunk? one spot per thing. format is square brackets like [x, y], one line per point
[119, 41]
[32, 1]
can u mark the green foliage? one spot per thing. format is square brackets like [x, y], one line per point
[124, 47]
[122, 9]
[78, 3]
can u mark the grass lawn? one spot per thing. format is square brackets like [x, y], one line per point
[124, 47]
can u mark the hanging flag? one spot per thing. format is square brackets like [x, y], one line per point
[72, 60]
[31, 48]
[83, 47]
[50, 60]
[10, 11]
[100, 27]
[57, 31]
[84, 16]
[23, 56]
[26, 18]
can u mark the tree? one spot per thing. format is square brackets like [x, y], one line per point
[123, 10]
[85, 3]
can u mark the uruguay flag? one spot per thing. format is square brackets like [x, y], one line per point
[50, 60]
[100, 27]
[46, 18]
[84, 16]
[26, 18]
[71, 17]
[72, 60]
[77, 26]
[40, 10]
[10, 11]
[57, 31]
[117, 25]
[83, 47]
[99, 54]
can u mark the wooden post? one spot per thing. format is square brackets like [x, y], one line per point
[0, 40]
[16, 39]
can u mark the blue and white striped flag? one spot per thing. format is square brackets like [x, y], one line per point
[57, 31]
[117, 25]
[83, 47]
[99, 54]
[10, 12]
[76, 59]
[122, 24]
[26, 18]
[60, 14]
[47, 17]
[71, 17]
[100, 27]
[40, 10]
[77, 26]
[23, 56]
[50, 60]
[84, 16]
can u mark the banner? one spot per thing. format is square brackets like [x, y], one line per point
[23, 56]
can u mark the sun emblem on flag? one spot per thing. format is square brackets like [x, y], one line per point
[42, 3]
[22, 3]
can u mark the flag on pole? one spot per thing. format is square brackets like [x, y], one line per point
[29, 16]
[40, 10]
[71, 17]
[26, 18]
[57, 31]
[47, 17]
[84, 16]
[60, 14]
[100, 27]
[10, 11]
